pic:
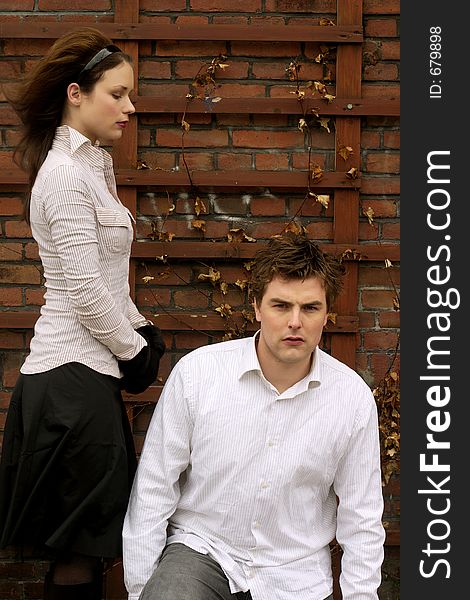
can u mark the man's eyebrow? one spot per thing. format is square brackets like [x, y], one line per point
[281, 301]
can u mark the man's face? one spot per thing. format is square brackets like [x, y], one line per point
[292, 314]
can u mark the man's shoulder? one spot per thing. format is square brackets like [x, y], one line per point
[217, 349]
[338, 370]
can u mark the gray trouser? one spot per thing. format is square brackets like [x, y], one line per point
[184, 574]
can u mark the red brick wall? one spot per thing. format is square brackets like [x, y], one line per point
[218, 142]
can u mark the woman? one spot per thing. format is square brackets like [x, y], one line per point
[68, 457]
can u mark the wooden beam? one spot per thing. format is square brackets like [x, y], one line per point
[212, 179]
[188, 250]
[340, 107]
[351, 34]
[178, 321]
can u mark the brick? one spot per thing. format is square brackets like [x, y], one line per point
[271, 121]
[170, 275]
[267, 139]
[381, 72]
[31, 251]
[10, 296]
[154, 69]
[391, 139]
[381, 208]
[250, 6]
[159, 160]
[379, 7]
[380, 339]
[10, 340]
[390, 50]
[11, 252]
[268, 207]
[12, 362]
[17, 229]
[188, 69]
[370, 139]
[190, 340]
[193, 139]
[19, 5]
[232, 161]
[229, 206]
[380, 185]
[198, 161]
[19, 274]
[148, 296]
[192, 20]
[162, 5]
[191, 48]
[11, 206]
[367, 320]
[383, 162]
[307, 207]
[378, 275]
[272, 162]
[304, 6]
[6, 160]
[380, 28]
[190, 299]
[287, 49]
[81, 5]
[34, 296]
[277, 70]
[377, 298]
[389, 319]
[373, 90]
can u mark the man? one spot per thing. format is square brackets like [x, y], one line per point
[260, 452]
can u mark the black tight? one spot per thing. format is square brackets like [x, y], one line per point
[75, 568]
[74, 577]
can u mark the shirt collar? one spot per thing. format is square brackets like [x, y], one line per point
[250, 362]
[79, 145]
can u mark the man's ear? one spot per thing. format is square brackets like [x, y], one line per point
[257, 313]
[74, 94]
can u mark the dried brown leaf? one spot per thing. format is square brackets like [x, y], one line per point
[324, 22]
[345, 152]
[199, 206]
[369, 213]
[225, 310]
[213, 276]
[198, 224]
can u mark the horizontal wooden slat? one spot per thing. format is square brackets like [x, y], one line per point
[246, 250]
[212, 179]
[178, 321]
[345, 107]
[174, 31]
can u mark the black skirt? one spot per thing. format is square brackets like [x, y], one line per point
[67, 465]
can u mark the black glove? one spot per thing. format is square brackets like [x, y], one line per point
[141, 371]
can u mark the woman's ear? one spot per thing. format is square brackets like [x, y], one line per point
[74, 94]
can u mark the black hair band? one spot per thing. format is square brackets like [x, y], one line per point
[97, 58]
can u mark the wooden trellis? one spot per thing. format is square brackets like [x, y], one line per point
[348, 108]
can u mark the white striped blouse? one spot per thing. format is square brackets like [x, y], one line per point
[84, 234]
[232, 468]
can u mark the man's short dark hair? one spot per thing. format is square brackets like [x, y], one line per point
[295, 256]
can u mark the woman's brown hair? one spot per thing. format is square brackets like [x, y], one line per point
[294, 256]
[39, 99]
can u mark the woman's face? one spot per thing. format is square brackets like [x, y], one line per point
[103, 114]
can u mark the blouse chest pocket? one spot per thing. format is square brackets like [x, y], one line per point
[114, 229]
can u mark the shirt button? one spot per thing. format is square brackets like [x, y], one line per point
[256, 524]
[264, 484]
